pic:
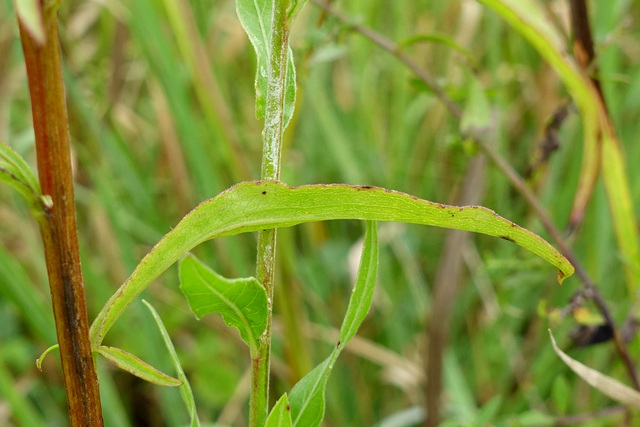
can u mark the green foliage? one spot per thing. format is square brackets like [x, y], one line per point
[607, 385]
[185, 388]
[256, 16]
[15, 172]
[477, 114]
[151, 140]
[242, 303]
[280, 415]
[442, 39]
[134, 365]
[601, 147]
[254, 206]
[307, 397]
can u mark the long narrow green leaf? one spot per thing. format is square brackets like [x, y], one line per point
[307, 397]
[259, 205]
[616, 181]
[362, 293]
[185, 388]
[134, 365]
[242, 303]
[255, 17]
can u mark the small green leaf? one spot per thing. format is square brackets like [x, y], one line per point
[294, 8]
[242, 303]
[16, 172]
[141, 369]
[40, 359]
[307, 397]
[280, 415]
[185, 388]
[362, 293]
[255, 17]
[477, 112]
[260, 205]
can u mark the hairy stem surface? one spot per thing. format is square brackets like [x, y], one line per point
[271, 156]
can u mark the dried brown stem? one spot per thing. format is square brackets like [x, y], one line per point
[583, 48]
[579, 419]
[445, 289]
[59, 233]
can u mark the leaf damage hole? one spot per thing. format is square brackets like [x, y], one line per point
[264, 193]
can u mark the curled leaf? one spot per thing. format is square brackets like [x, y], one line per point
[607, 385]
[136, 366]
[40, 359]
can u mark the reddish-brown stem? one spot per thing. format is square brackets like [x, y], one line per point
[58, 229]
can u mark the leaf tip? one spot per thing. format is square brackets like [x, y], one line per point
[40, 359]
[30, 16]
[563, 274]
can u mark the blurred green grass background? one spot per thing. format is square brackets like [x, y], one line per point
[162, 118]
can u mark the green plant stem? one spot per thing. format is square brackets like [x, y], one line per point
[271, 161]
[58, 227]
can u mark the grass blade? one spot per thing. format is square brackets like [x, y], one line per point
[307, 397]
[185, 388]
